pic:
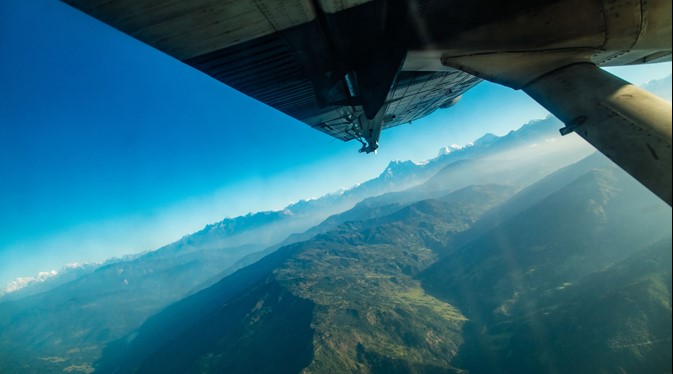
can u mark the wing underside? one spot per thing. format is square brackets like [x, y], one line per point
[299, 57]
[268, 70]
[352, 68]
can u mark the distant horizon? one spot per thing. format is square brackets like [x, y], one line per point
[27, 278]
[111, 147]
[120, 256]
[55, 271]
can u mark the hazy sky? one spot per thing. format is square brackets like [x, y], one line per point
[110, 147]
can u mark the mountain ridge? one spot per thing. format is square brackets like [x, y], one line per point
[373, 309]
[325, 253]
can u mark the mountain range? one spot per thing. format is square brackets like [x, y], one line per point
[525, 249]
[396, 293]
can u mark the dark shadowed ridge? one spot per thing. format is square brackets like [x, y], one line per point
[559, 232]
[509, 281]
[615, 320]
[170, 323]
[534, 194]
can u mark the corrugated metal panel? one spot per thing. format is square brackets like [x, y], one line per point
[418, 94]
[267, 70]
[184, 29]
[279, 53]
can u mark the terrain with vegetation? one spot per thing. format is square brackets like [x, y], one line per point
[522, 253]
[575, 281]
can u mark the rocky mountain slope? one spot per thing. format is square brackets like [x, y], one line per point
[394, 294]
[345, 300]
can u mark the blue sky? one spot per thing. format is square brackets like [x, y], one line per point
[110, 147]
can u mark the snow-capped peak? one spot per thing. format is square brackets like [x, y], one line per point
[22, 282]
[448, 149]
[397, 167]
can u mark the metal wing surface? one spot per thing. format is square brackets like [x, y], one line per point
[330, 65]
[351, 68]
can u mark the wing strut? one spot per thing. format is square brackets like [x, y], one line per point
[626, 123]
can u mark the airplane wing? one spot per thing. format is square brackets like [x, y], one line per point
[352, 68]
[326, 63]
